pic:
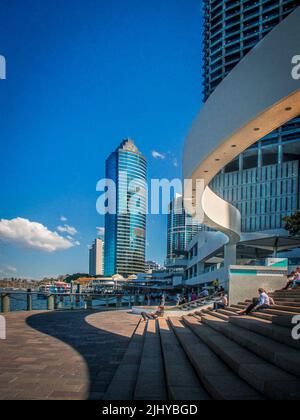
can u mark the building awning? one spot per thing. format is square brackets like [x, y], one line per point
[274, 243]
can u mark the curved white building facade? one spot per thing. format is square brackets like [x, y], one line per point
[258, 96]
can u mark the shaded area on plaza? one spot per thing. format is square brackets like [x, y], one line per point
[62, 355]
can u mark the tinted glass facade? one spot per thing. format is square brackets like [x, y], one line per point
[263, 195]
[231, 30]
[125, 232]
[181, 229]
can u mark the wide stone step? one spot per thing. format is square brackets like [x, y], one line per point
[182, 381]
[284, 321]
[219, 380]
[150, 383]
[217, 314]
[288, 300]
[288, 307]
[286, 295]
[274, 310]
[276, 353]
[123, 384]
[228, 311]
[260, 315]
[267, 329]
[267, 379]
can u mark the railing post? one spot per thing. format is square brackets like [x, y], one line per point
[107, 301]
[5, 302]
[50, 303]
[119, 302]
[29, 302]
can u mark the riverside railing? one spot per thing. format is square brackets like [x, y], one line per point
[11, 301]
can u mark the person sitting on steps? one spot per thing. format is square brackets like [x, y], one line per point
[153, 315]
[291, 279]
[222, 303]
[263, 302]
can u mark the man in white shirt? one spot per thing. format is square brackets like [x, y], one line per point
[263, 302]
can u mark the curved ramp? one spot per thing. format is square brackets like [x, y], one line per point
[258, 96]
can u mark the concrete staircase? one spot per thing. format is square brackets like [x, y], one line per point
[214, 355]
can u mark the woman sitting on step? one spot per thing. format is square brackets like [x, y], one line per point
[263, 302]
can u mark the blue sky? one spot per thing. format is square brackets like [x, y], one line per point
[81, 76]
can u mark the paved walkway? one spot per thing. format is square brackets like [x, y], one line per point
[62, 355]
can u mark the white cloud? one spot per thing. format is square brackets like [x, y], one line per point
[63, 219]
[8, 270]
[101, 231]
[67, 229]
[157, 155]
[175, 162]
[166, 156]
[33, 235]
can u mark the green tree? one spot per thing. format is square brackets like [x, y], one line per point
[292, 224]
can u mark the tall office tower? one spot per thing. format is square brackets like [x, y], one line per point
[125, 231]
[264, 181]
[96, 258]
[181, 229]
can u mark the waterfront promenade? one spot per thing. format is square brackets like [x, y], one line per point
[62, 355]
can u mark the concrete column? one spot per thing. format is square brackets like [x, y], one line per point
[229, 255]
[5, 303]
[259, 156]
[241, 162]
[280, 154]
[50, 303]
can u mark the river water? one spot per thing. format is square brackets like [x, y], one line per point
[18, 302]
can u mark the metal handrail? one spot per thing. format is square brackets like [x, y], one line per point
[185, 305]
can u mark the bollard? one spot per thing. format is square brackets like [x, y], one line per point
[29, 302]
[89, 302]
[55, 302]
[5, 303]
[119, 302]
[50, 303]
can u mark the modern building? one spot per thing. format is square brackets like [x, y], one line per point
[262, 182]
[251, 177]
[181, 230]
[125, 231]
[96, 258]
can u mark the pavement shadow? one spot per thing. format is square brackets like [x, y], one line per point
[101, 350]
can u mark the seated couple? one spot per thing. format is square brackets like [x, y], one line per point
[153, 315]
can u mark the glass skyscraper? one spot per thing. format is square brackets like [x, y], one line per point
[125, 231]
[263, 182]
[181, 229]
